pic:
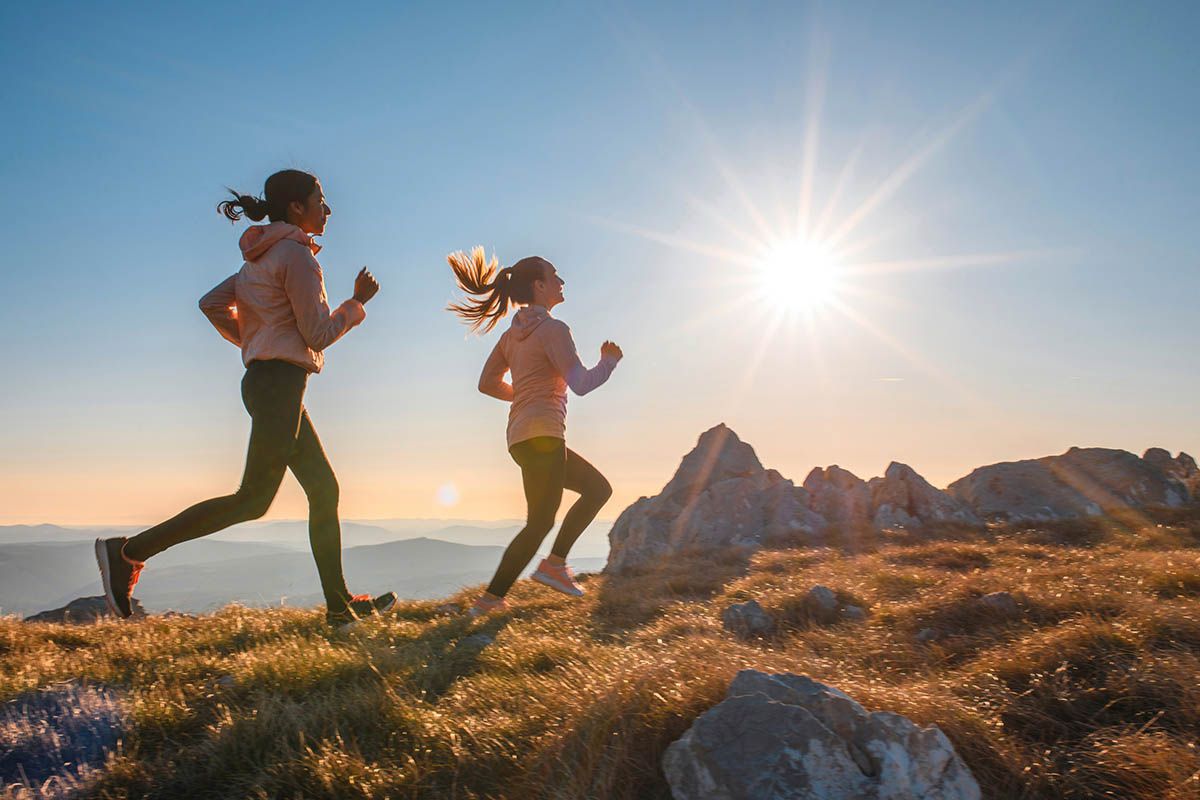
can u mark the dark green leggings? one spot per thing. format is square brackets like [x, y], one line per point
[548, 467]
[281, 437]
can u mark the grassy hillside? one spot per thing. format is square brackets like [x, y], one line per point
[1088, 689]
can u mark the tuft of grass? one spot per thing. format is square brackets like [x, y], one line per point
[1086, 689]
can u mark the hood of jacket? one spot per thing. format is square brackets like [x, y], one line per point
[526, 321]
[258, 239]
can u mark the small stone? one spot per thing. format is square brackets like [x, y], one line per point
[854, 614]
[926, 635]
[747, 620]
[1001, 602]
[226, 681]
[822, 598]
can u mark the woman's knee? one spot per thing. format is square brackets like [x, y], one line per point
[325, 495]
[254, 501]
[600, 490]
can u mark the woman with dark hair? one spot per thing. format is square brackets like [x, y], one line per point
[539, 352]
[275, 309]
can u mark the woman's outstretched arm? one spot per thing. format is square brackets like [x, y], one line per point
[220, 306]
[491, 379]
[560, 347]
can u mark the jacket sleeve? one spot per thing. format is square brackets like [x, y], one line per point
[220, 306]
[305, 287]
[491, 379]
[560, 347]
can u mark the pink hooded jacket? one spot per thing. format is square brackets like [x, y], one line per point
[540, 353]
[275, 307]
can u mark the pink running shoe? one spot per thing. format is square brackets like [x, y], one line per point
[557, 577]
[486, 605]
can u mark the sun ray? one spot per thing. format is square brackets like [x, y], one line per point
[814, 97]
[678, 242]
[839, 187]
[899, 176]
[956, 261]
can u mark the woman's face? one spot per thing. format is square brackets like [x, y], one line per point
[549, 291]
[312, 215]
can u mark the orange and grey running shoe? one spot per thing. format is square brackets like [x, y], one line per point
[119, 574]
[558, 577]
[487, 605]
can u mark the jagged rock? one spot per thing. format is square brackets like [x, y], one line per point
[1081, 482]
[1182, 468]
[83, 609]
[747, 620]
[787, 736]
[1001, 602]
[854, 614]
[840, 496]
[926, 635]
[903, 499]
[721, 497]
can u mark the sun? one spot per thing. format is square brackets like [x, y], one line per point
[798, 275]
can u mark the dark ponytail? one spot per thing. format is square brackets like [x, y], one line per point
[280, 191]
[493, 291]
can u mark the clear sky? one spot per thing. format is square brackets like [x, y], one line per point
[1010, 190]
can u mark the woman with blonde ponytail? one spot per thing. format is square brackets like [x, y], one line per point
[540, 353]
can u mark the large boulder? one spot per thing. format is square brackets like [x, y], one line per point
[840, 496]
[1079, 483]
[83, 609]
[903, 499]
[721, 497]
[787, 736]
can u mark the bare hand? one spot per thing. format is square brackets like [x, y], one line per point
[610, 349]
[365, 286]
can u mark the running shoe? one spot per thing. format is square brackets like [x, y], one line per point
[360, 607]
[119, 575]
[558, 577]
[486, 605]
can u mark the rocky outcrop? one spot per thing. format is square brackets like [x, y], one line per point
[777, 736]
[1182, 468]
[840, 496]
[1079, 483]
[720, 497]
[83, 609]
[903, 499]
[747, 620]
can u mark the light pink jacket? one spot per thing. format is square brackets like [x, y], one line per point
[540, 353]
[275, 307]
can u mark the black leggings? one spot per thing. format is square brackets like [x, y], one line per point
[548, 467]
[281, 437]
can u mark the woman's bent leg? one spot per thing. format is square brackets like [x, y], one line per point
[273, 396]
[312, 469]
[543, 464]
[594, 491]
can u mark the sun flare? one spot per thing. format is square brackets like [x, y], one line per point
[800, 275]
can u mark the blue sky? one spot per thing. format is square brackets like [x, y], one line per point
[628, 144]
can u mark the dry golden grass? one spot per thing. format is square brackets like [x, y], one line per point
[1088, 690]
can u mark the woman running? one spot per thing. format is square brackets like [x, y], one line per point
[540, 353]
[275, 309]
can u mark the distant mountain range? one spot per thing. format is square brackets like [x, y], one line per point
[47, 566]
